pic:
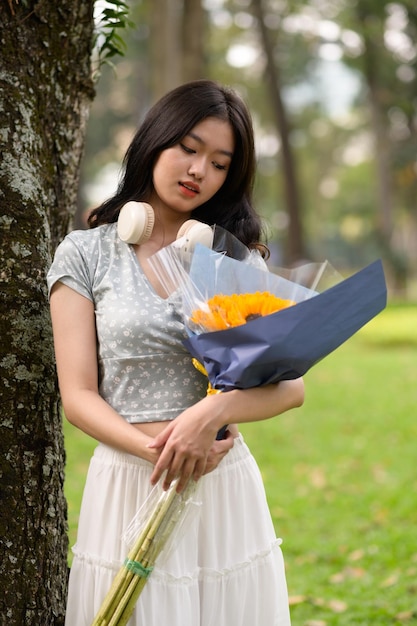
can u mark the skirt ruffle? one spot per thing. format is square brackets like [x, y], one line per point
[224, 569]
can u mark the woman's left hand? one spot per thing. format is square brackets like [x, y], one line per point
[218, 451]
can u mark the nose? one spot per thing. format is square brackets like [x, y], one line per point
[197, 167]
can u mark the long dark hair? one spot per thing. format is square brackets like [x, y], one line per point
[166, 124]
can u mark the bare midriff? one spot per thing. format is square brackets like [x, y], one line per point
[151, 428]
[154, 428]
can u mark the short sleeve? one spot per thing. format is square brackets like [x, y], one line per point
[70, 267]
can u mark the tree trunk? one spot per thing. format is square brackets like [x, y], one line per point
[193, 38]
[45, 92]
[176, 43]
[373, 38]
[295, 249]
[165, 46]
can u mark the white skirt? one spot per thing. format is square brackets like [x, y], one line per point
[226, 568]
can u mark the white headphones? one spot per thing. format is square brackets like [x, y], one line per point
[136, 221]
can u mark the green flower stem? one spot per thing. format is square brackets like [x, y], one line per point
[127, 586]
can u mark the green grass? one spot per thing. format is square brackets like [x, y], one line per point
[341, 479]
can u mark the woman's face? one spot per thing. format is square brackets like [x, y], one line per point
[192, 171]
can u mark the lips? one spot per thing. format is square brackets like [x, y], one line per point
[189, 188]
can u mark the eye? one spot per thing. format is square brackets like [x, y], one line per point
[187, 149]
[219, 167]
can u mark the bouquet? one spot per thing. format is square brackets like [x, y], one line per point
[270, 345]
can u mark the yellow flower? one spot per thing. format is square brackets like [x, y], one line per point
[228, 311]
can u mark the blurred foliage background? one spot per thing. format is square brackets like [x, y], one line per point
[332, 87]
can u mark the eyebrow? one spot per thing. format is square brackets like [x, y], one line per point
[200, 140]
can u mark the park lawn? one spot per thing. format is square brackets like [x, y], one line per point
[341, 479]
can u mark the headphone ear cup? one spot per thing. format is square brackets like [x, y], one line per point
[195, 232]
[135, 222]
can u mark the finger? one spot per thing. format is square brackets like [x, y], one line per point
[230, 440]
[175, 470]
[187, 471]
[169, 478]
[199, 469]
[223, 446]
[161, 465]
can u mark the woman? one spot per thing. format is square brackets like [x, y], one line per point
[126, 379]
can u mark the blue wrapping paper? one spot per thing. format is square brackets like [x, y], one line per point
[286, 344]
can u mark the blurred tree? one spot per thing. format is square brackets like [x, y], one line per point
[295, 248]
[194, 59]
[380, 69]
[175, 44]
[377, 39]
[45, 91]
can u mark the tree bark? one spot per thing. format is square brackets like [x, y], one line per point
[45, 93]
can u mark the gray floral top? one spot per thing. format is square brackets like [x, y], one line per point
[145, 372]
